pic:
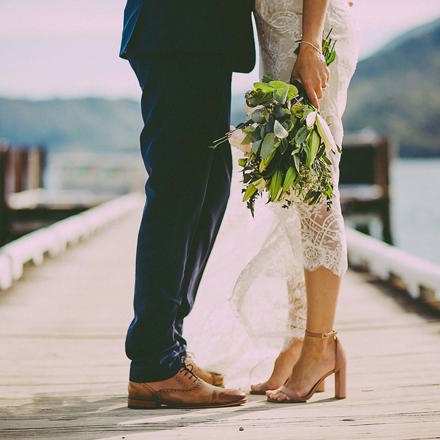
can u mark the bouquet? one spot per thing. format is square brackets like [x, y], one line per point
[285, 143]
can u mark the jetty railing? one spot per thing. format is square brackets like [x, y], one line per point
[419, 277]
[52, 240]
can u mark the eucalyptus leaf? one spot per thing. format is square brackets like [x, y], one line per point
[256, 146]
[280, 112]
[259, 115]
[280, 95]
[292, 92]
[277, 85]
[255, 98]
[265, 162]
[301, 135]
[279, 131]
[263, 87]
[268, 145]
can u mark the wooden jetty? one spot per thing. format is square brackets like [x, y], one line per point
[26, 204]
[63, 372]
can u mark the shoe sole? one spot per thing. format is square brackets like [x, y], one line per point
[320, 389]
[150, 404]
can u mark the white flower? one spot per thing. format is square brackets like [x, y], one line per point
[310, 119]
[236, 139]
[325, 133]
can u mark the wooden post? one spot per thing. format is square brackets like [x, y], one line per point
[383, 156]
[42, 162]
[4, 217]
[364, 181]
[34, 168]
[20, 169]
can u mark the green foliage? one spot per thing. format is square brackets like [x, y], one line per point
[288, 158]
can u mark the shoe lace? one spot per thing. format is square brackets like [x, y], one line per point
[188, 372]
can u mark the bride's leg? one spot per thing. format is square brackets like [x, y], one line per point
[317, 355]
[282, 368]
[291, 350]
[324, 248]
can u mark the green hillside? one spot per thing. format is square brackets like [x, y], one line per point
[94, 124]
[397, 91]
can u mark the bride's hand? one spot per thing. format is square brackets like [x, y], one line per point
[312, 72]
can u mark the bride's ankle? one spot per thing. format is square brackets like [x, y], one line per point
[293, 347]
[319, 346]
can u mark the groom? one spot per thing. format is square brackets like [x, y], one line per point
[183, 54]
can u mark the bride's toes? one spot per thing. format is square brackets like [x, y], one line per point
[276, 396]
[263, 387]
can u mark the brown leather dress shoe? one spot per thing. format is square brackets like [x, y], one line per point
[210, 377]
[184, 390]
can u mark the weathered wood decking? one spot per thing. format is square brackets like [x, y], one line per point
[63, 370]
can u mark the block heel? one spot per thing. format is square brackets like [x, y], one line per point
[340, 383]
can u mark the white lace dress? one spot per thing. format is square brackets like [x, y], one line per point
[242, 340]
[301, 236]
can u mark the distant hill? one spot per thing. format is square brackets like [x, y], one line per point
[397, 91]
[91, 124]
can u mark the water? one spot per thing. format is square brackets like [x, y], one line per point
[416, 206]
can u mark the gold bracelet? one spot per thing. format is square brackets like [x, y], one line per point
[321, 55]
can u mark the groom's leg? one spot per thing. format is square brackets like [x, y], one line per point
[214, 206]
[180, 107]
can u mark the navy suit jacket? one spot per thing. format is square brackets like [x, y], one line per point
[222, 27]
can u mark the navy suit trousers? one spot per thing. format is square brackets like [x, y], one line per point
[185, 106]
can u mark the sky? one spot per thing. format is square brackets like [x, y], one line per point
[67, 48]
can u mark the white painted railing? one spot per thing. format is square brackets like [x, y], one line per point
[54, 239]
[388, 262]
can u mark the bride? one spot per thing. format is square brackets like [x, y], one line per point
[310, 238]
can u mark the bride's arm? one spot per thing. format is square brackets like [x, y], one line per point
[309, 67]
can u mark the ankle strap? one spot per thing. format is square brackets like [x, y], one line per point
[331, 334]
